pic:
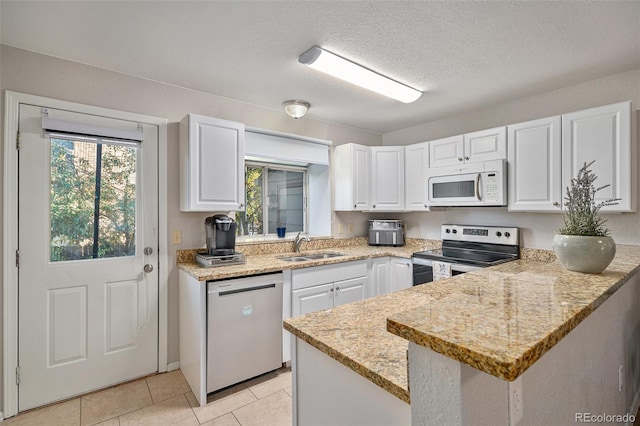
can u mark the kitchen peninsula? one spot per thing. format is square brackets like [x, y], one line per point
[525, 342]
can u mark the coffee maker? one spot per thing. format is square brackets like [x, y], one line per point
[221, 235]
[220, 231]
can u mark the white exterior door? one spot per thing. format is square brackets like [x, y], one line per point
[535, 165]
[88, 240]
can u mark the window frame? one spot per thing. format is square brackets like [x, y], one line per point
[266, 166]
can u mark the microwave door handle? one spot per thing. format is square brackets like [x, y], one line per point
[478, 177]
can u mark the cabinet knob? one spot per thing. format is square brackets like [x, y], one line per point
[459, 158]
[555, 203]
[355, 205]
[374, 206]
[466, 157]
[425, 206]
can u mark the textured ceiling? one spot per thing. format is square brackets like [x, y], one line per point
[463, 55]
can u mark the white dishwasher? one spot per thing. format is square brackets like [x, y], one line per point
[244, 329]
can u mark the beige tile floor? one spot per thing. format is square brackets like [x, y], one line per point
[165, 399]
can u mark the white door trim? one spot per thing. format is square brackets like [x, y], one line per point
[10, 234]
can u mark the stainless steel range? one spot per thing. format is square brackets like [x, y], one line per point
[466, 248]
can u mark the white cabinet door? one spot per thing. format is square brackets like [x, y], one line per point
[379, 276]
[312, 299]
[602, 134]
[416, 164]
[446, 152]
[348, 291]
[212, 164]
[401, 274]
[387, 178]
[352, 177]
[534, 172]
[484, 145]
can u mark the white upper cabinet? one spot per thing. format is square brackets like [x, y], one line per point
[602, 134]
[446, 152]
[416, 165]
[211, 164]
[387, 178]
[534, 171]
[352, 177]
[483, 145]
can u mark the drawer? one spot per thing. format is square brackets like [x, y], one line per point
[308, 277]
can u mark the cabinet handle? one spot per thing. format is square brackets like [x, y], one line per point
[459, 158]
[466, 157]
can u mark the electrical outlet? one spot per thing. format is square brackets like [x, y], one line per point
[340, 228]
[515, 401]
[176, 237]
[620, 378]
[351, 228]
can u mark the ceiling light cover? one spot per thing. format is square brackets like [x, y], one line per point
[342, 68]
[296, 108]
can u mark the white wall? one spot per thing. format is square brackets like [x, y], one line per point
[537, 229]
[41, 75]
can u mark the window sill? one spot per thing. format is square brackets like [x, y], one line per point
[258, 239]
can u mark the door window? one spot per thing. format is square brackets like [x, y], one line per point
[92, 198]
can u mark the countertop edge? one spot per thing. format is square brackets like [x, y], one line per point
[389, 386]
[506, 369]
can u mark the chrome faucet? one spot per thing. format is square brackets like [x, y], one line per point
[298, 240]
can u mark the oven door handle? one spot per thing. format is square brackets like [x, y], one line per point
[478, 177]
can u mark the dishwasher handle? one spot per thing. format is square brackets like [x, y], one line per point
[245, 289]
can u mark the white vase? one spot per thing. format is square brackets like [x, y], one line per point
[584, 254]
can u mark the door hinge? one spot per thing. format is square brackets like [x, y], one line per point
[17, 258]
[18, 141]
[17, 375]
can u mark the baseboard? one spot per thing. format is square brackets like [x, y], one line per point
[173, 366]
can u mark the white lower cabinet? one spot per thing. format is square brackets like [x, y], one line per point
[400, 273]
[323, 287]
[389, 274]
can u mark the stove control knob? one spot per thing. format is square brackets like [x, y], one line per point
[507, 234]
[498, 234]
[455, 231]
[448, 231]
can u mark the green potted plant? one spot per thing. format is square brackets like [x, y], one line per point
[583, 243]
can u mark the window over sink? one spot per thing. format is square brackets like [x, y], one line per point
[288, 183]
[275, 198]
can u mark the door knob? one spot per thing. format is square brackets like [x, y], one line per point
[148, 268]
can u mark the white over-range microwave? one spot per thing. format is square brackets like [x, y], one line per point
[473, 184]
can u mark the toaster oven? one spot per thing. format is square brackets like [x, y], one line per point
[386, 233]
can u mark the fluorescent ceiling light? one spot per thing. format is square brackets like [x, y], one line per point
[353, 73]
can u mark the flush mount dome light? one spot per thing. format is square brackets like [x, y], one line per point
[296, 108]
[344, 69]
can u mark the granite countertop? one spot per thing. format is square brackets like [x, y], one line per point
[500, 320]
[261, 263]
